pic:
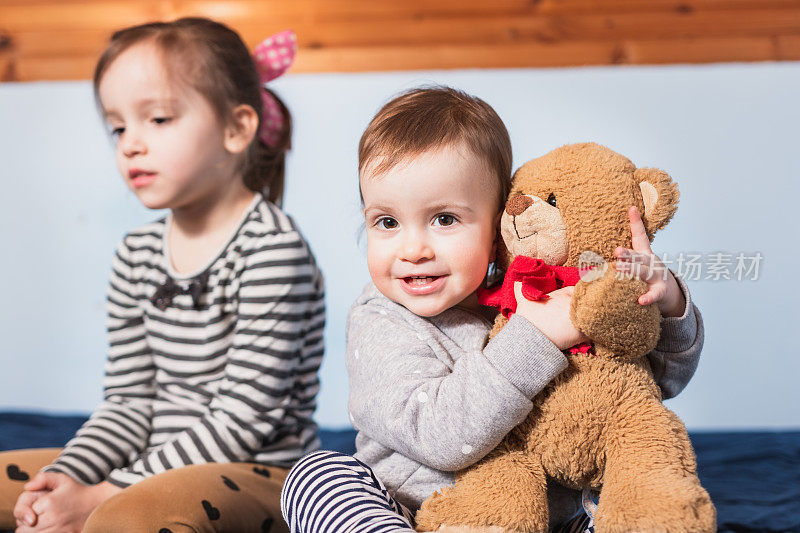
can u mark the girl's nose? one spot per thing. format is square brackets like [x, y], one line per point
[132, 144]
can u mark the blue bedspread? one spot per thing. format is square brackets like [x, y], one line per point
[753, 477]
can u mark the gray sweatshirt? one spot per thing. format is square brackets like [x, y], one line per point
[429, 396]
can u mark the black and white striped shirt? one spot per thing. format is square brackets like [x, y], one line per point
[229, 376]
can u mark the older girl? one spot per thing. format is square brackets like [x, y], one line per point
[215, 312]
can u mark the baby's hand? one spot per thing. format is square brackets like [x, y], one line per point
[642, 263]
[551, 316]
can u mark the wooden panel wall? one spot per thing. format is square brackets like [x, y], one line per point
[60, 39]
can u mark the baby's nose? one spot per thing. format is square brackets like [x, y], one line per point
[516, 205]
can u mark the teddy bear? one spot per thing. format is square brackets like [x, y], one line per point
[601, 423]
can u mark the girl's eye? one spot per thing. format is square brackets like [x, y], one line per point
[161, 120]
[551, 199]
[445, 220]
[387, 223]
[116, 132]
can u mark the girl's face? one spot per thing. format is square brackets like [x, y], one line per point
[170, 144]
[431, 227]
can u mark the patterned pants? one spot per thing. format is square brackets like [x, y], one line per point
[330, 492]
[233, 497]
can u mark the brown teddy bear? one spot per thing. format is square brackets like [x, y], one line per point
[600, 423]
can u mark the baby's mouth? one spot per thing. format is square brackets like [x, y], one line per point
[420, 280]
[422, 285]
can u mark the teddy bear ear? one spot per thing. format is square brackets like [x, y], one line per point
[660, 197]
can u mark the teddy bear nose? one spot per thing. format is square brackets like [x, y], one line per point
[518, 204]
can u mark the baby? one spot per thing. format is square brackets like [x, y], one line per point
[428, 395]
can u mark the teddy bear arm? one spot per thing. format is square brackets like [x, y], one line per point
[499, 323]
[608, 312]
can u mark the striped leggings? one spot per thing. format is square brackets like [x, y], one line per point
[330, 492]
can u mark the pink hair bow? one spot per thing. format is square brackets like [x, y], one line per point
[273, 56]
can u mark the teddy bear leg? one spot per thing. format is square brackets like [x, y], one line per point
[687, 452]
[468, 529]
[505, 490]
[648, 483]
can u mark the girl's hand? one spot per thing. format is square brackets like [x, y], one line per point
[23, 513]
[642, 263]
[66, 505]
[551, 316]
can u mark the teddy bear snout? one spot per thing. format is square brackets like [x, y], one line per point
[517, 205]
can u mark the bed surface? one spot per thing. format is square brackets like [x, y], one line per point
[753, 477]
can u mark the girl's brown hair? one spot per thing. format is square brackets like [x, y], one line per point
[429, 118]
[212, 59]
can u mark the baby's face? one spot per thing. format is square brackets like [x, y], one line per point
[431, 225]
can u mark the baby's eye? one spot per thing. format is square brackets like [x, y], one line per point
[161, 120]
[387, 223]
[551, 199]
[444, 220]
[116, 132]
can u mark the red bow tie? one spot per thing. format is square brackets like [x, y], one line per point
[538, 278]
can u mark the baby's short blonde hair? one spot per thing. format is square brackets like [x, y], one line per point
[429, 118]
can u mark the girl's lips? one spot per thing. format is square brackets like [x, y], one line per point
[416, 287]
[142, 180]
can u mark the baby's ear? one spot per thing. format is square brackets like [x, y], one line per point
[660, 197]
[502, 257]
[498, 239]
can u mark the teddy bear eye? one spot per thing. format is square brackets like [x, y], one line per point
[551, 199]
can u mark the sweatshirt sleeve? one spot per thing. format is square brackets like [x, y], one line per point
[675, 358]
[119, 428]
[409, 395]
[280, 315]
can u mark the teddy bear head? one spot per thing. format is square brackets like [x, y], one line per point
[576, 199]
